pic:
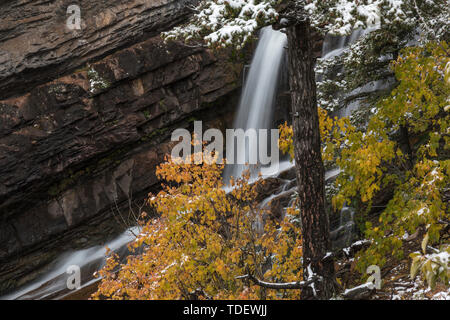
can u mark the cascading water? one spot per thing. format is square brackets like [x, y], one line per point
[335, 45]
[343, 229]
[255, 109]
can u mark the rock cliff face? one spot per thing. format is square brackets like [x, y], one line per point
[36, 45]
[85, 117]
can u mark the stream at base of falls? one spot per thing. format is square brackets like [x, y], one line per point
[53, 285]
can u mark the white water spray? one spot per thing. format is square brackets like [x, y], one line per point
[255, 109]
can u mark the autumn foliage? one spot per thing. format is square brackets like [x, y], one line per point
[373, 160]
[203, 239]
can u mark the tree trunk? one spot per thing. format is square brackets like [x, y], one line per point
[308, 162]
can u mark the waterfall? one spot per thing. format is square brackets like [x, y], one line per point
[257, 101]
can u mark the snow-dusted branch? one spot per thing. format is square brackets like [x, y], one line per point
[226, 22]
[280, 286]
[221, 23]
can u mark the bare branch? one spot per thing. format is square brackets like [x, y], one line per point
[280, 286]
